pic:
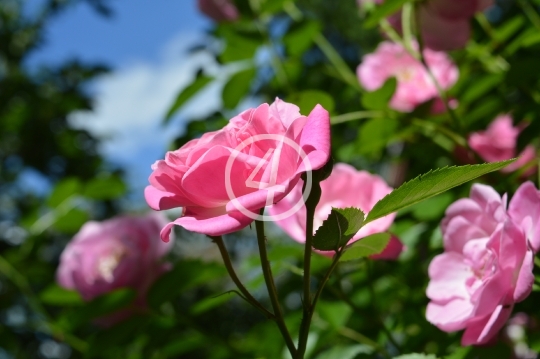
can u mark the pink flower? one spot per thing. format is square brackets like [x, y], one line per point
[218, 10]
[445, 24]
[498, 143]
[414, 85]
[224, 178]
[487, 264]
[123, 252]
[345, 187]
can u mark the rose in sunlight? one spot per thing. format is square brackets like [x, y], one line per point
[123, 252]
[445, 24]
[487, 264]
[224, 178]
[345, 187]
[218, 10]
[414, 85]
[498, 143]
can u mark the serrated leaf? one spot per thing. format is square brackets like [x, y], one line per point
[185, 94]
[430, 184]
[237, 87]
[379, 99]
[340, 226]
[416, 356]
[367, 246]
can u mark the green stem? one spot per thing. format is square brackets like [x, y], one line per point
[271, 286]
[22, 284]
[347, 75]
[358, 115]
[442, 93]
[307, 307]
[230, 269]
[530, 12]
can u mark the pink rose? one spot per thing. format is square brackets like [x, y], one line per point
[224, 178]
[414, 85]
[445, 24]
[218, 10]
[486, 268]
[498, 143]
[123, 252]
[345, 187]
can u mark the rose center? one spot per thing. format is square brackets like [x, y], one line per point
[107, 264]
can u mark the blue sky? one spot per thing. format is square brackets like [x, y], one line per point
[137, 31]
[145, 43]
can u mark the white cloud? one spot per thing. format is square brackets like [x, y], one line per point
[132, 101]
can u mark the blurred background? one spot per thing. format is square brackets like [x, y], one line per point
[92, 92]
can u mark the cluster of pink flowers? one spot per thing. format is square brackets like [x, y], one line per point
[487, 264]
[414, 84]
[122, 252]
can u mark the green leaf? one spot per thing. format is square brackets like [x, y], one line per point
[308, 99]
[340, 226]
[204, 305]
[416, 356]
[345, 352]
[240, 44]
[375, 134]
[335, 313]
[71, 221]
[55, 295]
[429, 185]
[237, 87]
[300, 37]
[378, 99]
[386, 9]
[187, 93]
[105, 187]
[367, 246]
[63, 190]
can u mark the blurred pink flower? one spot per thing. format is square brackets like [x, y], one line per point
[498, 143]
[445, 24]
[345, 187]
[414, 85]
[487, 264]
[218, 10]
[223, 174]
[122, 252]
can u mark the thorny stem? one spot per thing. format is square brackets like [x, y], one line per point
[230, 269]
[271, 286]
